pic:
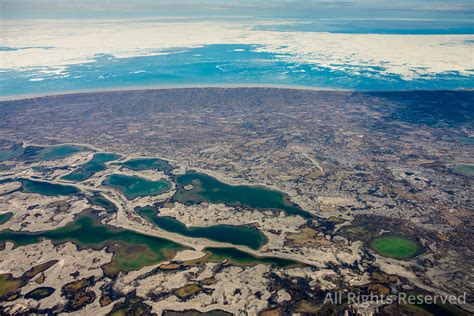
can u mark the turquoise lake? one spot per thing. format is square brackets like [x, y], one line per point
[133, 187]
[208, 189]
[238, 235]
[139, 164]
[47, 188]
[87, 170]
[43, 187]
[39, 153]
[51, 152]
[131, 250]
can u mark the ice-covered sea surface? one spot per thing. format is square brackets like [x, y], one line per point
[213, 65]
[53, 56]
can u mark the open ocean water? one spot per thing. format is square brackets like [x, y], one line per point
[212, 65]
[226, 64]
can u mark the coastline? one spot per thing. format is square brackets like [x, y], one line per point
[20, 97]
[168, 87]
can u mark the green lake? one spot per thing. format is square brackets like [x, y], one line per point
[99, 200]
[40, 293]
[5, 167]
[139, 164]
[238, 235]
[208, 189]
[47, 188]
[5, 217]
[51, 152]
[87, 170]
[397, 247]
[132, 250]
[464, 169]
[196, 313]
[238, 257]
[133, 187]
[11, 153]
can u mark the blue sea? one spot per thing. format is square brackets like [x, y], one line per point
[245, 65]
[462, 25]
[212, 65]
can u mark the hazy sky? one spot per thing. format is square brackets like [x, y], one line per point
[412, 9]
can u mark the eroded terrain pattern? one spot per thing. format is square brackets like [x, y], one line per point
[369, 168]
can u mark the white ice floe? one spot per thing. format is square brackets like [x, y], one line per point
[79, 41]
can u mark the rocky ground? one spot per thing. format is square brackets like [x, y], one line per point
[363, 164]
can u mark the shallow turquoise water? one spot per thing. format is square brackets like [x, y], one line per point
[37, 153]
[239, 257]
[213, 65]
[238, 235]
[46, 188]
[378, 26]
[5, 217]
[50, 152]
[464, 169]
[132, 250]
[87, 170]
[43, 187]
[133, 187]
[208, 189]
[10, 153]
[99, 200]
[139, 164]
